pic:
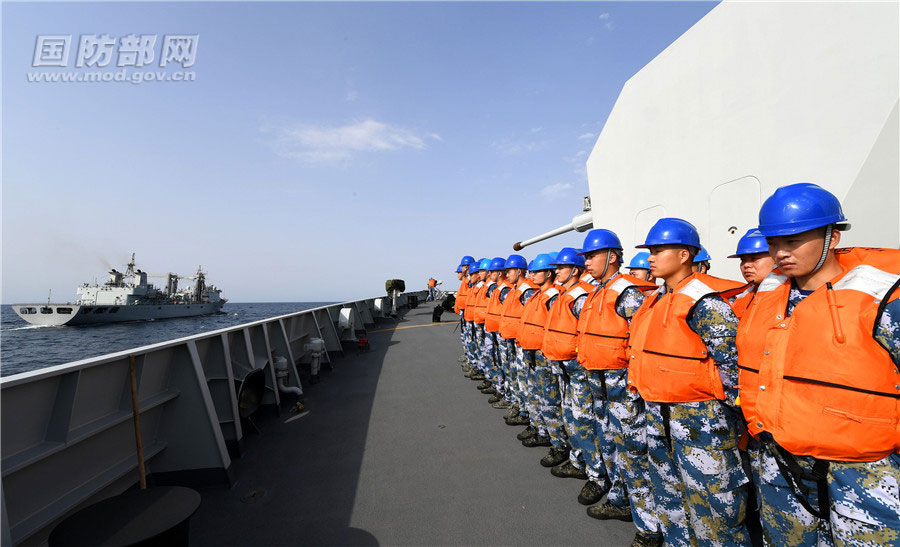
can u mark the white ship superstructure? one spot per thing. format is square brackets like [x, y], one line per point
[128, 296]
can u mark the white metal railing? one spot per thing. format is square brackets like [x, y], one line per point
[67, 430]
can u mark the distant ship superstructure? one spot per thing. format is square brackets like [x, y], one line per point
[128, 297]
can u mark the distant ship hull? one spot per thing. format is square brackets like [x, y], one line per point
[79, 314]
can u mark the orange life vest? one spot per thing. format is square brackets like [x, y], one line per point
[669, 361]
[560, 334]
[603, 333]
[492, 318]
[481, 302]
[743, 300]
[460, 303]
[432, 282]
[511, 314]
[471, 297]
[534, 318]
[818, 381]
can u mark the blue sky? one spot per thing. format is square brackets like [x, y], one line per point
[321, 148]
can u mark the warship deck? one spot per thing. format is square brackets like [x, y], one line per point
[397, 448]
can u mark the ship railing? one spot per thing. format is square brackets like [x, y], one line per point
[67, 431]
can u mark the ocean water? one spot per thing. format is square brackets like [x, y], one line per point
[25, 347]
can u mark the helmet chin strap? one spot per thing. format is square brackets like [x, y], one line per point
[828, 232]
[608, 252]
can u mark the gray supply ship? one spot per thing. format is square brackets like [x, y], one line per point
[128, 297]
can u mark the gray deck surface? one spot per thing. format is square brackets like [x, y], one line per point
[398, 448]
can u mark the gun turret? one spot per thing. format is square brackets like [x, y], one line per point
[580, 223]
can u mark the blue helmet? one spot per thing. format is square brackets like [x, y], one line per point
[542, 262]
[484, 264]
[799, 208]
[516, 261]
[466, 260]
[753, 242]
[476, 266]
[599, 239]
[568, 256]
[459, 269]
[531, 266]
[640, 261]
[672, 231]
[497, 264]
[702, 256]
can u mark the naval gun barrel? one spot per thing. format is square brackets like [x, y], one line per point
[580, 223]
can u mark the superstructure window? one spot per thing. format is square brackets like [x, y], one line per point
[64, 310]
[27, 311]
[46, 310]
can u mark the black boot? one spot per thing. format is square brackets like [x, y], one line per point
[537, 440]
[567, 470]
[590, 494]
[517, 420]
[555, 457]
[529, 431]
[607, 511]
[645, 539]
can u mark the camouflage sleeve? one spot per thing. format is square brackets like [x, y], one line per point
[551, 301]
[578, 305]
[629, 302]
[887, 333]
[526, 296]
[503, 294]
[716, 323]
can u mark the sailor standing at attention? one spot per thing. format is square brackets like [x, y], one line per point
[756, 264]
[684, 366]
[603, 330]
[494, 354]
[544, 387]
[510, 317]
[559, 346]
[459, 306]
[476, 284]
[819, 354]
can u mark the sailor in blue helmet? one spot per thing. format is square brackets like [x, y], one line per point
[640, 268]
[683, 363]
[494, 355]
[701, 261]
[819, 352]
[492, 384]
[460, 305]
[510, 314]
[559, 346]
[756, 264]
[603, 330]
[477, 273]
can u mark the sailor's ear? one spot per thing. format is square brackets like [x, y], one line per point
[835, 239]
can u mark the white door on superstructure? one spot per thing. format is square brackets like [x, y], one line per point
[733, 209]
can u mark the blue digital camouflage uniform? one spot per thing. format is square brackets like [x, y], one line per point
[488, 355]
[623, 433]
[699, 485]
[502, 355]
[520, 372]
[865, 496]
[548, 400]
[579, 417]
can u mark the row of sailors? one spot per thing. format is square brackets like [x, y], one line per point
[671, 400]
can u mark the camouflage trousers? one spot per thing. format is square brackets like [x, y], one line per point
[865, 502]
[529, 387]
[463, 332]
[699, 484]
[473, 346]
[623, 445]
[489, 359]
[548, 402]
[581, 423]
[505, 369]
[784, 520]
